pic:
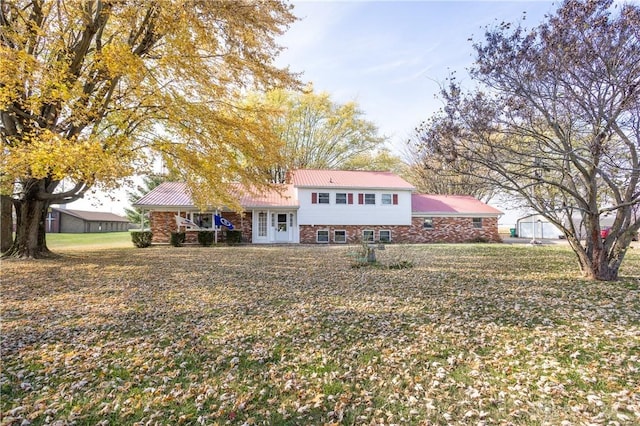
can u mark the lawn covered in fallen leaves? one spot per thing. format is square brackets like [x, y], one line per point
[471, 334]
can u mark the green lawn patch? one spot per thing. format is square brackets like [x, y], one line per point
[101, 240]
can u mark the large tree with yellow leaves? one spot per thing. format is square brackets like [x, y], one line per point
[90, 91]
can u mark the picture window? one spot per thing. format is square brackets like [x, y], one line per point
[203, 220]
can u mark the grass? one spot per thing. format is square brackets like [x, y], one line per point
[470, 334]
[94, 240]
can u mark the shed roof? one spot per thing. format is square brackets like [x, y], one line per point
[92, 216]
[348, 179]
[451, 205]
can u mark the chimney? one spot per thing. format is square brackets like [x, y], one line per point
[288, 177]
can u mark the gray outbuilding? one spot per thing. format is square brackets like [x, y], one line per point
[61, 220]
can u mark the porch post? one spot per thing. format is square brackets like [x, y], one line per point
[215, 228]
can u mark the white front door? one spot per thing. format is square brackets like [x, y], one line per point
[282, 227]
[274, 227]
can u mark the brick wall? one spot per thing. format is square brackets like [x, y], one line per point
[164, 223]
[445, 230]
[452, 230]
[241, 222]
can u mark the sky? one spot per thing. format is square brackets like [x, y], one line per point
[388, 56]
[392, 56]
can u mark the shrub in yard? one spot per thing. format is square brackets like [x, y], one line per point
[205, 238]
[479, 240]
[178, 238]
[233, 237]
[141, 239]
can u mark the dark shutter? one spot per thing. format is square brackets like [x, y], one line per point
[350, 198]
[360, 198]
[314, 198]
[395, 198]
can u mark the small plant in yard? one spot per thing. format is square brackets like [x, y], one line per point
[177, 239]
[141, 239]
[398, 257]
[365, 255]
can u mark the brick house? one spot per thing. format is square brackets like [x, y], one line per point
[329, 207]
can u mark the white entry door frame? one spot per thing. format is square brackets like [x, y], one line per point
[275, 226]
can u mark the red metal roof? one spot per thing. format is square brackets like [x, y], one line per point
[450, 204]
[176, 194]
[173, 194]
[282, 196]
[349, 179]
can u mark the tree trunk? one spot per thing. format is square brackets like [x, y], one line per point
[30, 240]
[595, 261]
[6, 223]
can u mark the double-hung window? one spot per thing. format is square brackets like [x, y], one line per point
[323, 198]
[341, 198]
[367, 236]
[322, 236]
[385, 236]
[340, 236]
[369, 198]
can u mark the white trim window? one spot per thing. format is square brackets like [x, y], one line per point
[386, 199]
[368, 236]
[340, 236]
[384, 235]
[262, 224]
[341, 198]
[370, 199]
[322, 236]
[323, 198]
